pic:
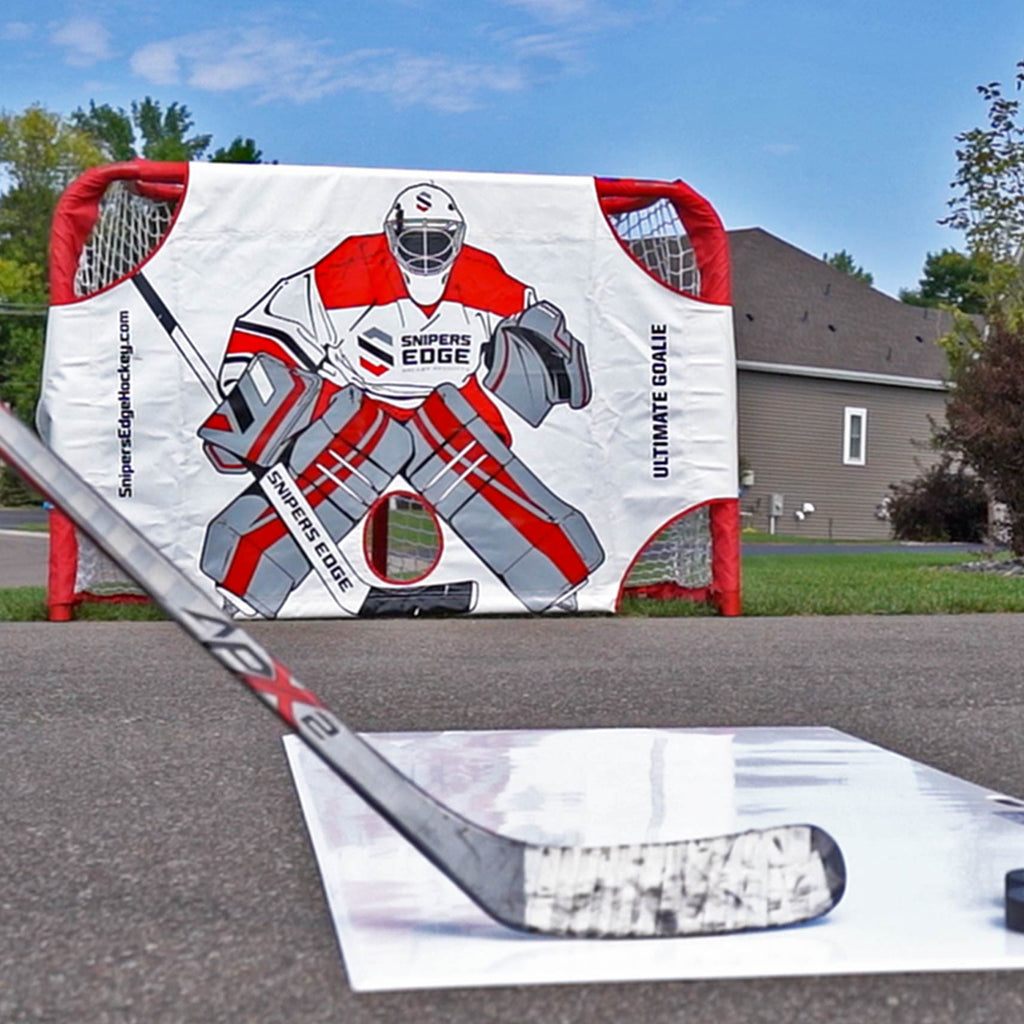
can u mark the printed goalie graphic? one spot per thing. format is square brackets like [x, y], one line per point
[338, 391]
[375, 363]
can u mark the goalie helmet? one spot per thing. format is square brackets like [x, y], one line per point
[424, 229]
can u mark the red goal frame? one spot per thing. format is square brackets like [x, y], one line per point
[79, 210]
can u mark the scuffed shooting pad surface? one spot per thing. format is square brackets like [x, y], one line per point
[925, 851]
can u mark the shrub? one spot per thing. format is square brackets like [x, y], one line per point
[942, 504]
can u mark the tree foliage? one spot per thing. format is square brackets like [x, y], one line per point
[988, 197]
[240, 151]
[153, 132]
[952, 278]
[843, 261]
[945, 502]
[147, 130]
[984, 423]
[988, 201]
[41, 152]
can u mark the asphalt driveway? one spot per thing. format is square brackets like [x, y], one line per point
[156, 862]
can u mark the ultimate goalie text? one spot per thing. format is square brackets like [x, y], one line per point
[659, 401]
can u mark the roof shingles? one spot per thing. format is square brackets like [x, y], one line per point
[794, 309]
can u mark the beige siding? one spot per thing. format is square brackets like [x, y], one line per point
[791, 436]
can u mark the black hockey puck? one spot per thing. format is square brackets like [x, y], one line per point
[1014, 903]
[1014, 878]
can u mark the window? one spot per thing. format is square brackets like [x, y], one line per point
[855, 436]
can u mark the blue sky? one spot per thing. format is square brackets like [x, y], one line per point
[828, 123]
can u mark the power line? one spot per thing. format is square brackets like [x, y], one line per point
[21, 309]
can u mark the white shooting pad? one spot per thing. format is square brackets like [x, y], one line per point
[926, 853]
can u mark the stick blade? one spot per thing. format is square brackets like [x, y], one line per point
[762, 878]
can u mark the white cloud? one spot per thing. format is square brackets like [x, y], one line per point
[277, 67]
[15, 31]
[553, 10]
[157, 63]
[436, 81]
[256, 59]
[85, 41]
[274, 65]
[553, 49]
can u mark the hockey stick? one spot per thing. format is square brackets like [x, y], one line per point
[756, 879]
[350, 592]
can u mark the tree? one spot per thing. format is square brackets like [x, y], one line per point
[984, 423]
[241, 151]
[155, 133]
[40, 154]
[952, 278]
[988, 204]
[988, 200]
[985, 419]
[843, 261]
[22, 315]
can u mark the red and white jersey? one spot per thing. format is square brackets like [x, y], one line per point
[350, 318]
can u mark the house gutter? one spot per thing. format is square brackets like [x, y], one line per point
[856, 376]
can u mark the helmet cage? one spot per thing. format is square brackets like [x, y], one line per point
[424, 246]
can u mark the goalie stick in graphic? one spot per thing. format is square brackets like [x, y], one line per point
[763, 878]
[366, 366]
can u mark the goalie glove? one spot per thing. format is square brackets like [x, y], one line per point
[535, 363]
[267, 406]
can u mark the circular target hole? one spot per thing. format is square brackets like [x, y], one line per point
[402, 538]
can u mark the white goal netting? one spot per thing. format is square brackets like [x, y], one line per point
[656, 237]
[127, 232]
[680, 555]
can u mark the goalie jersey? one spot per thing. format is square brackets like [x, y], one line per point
[351, 319]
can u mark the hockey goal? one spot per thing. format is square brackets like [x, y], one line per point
[113, 219]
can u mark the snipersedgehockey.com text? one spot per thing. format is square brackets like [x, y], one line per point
[126, 414]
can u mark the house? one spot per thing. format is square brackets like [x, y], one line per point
[837, 384]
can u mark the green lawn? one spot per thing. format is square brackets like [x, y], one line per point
[28, 604]
[898, 583]
[901, 583]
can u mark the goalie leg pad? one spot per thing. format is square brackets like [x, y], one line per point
[538, 545]
[342, 463]
[535, 363]
[346, 459]
[250, 553]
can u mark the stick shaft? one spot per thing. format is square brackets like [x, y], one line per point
[479, 861]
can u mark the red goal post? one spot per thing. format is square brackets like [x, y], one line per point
[112, 220]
